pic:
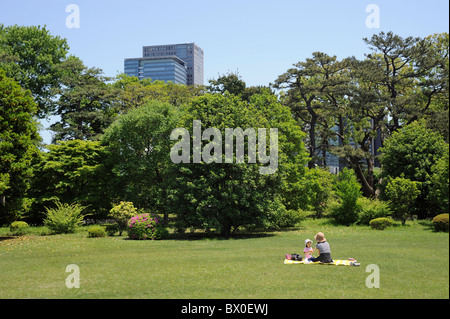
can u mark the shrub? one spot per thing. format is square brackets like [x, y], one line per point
[348, 190]
[280, 217]
[122, 214]
[65, 218]
[18, 228]
[96, 231]
[111, 229]
[314, 191]
[161, 233]
[440, 223]
[380, 223]
[371, 209]
[144, 226]
[402, 194]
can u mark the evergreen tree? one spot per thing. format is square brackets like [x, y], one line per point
[19, 139]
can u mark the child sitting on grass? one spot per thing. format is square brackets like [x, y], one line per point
[308, 251]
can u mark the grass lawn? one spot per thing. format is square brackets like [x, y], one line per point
[413, 263]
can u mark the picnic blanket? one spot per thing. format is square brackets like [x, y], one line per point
[337, 262]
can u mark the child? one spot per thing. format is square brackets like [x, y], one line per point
[308, 249]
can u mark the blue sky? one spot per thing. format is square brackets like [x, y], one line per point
[261, 39]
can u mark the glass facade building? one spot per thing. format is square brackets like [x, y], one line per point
[190, 53]
[167, 68]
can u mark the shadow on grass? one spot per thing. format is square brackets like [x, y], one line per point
[2, 238]
[200, 235]
[215, 236]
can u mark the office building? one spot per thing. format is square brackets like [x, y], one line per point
[190, 53]
[167, 68]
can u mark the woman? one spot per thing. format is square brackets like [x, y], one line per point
[323, 248]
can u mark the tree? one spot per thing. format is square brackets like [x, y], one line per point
[30, 55]
[316, 188]
[231, 83]
[133, 92]
[348, 191]
[71, 172]
[225, 195]
[360, 122]
[292, 153]
[122, 213]
[360, 104]
[314, 88]
[19, 139]
[410, 74]
[437, 115]
[138, 144]
[439, 188]
[402, 193]
[84, 102]
[411, 152]
[395, 85]
[234, 84]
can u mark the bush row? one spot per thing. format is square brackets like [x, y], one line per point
[65, 218]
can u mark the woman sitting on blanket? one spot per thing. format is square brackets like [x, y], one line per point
[323, 248]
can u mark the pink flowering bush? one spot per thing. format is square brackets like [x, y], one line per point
[146, 226]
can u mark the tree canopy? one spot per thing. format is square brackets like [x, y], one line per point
[31, 55]
[227, 155]
[19, 140]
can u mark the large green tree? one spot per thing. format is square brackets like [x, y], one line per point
[359, 104]
[222, 191]
[437, 114]
[18, 145]
[71, 172]
[411, 153]
[30, 55]
[138, 145]
[411, 75]
[314, 90]
[84, 102]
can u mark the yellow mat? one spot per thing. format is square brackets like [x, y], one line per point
[335, 262]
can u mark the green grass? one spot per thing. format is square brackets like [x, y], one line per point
[413, 263]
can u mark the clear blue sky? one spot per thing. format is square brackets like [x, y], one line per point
[259, 38]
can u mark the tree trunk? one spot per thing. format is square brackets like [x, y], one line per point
[367, 188]
[226, 231]
[312, 139]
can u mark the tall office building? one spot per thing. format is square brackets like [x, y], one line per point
[167, 68]
[190, 53]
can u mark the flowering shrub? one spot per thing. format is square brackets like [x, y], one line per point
[144, 226]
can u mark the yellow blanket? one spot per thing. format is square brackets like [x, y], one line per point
[335, 262]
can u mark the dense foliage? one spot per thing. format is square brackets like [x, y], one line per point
[230, 194]
[411, 153]
[18, 145]
[114, 138]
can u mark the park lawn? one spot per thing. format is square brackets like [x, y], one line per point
[413, 262]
